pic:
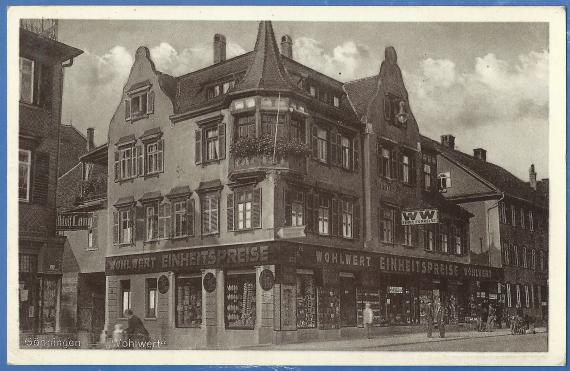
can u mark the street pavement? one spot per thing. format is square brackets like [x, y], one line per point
[499, 340]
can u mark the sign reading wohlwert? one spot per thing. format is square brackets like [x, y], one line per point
[415, 217]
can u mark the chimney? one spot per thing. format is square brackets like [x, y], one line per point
[480, 154]
[532, 177]
[287, 46]
[90, 139]
[448, 141]
[219, 48]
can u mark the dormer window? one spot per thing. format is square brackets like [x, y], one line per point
[336, 101]
[139, 104]
[313, 91]
[395, 110]
[219, 89]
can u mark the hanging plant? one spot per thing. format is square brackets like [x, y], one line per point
[264, 146]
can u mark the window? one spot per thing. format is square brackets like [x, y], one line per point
[513, 215]
[533, 252]
[188, 301]
[152, 222]
[139, 104]
[522, 218]
[92, 233]
[246, 127]
[502, 212]
[507, 254]
[240, 303]
[210, 143]
[443, 238]
[125, 298]
[428, 238]
[322, 145]
[347, 220]
[26, 80]
[226, 86]
[526, 296]
[164, 218]
[345, 150]
[384, 169]
[458, 247]
[210, 209]
[127, 163]
[427, 177]
[244, 199]
[151, 297]
[294, 208]
[336, 101]
[24, 171]
[405, 169]
[123, 227]
[183, 217]
[154, 157]
[269, 124]
[509, 296]
[530, 221]
[408, 235]
[244, 209]
[89, 239]
[524, 257]
[297, 130]
[444, 181]
[323, 214]
[313, 91]
[387, 225]
[541, 259]
[518, 290]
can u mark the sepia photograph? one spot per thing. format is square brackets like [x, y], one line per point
[274, 183]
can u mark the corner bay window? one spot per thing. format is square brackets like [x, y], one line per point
[188, 301]
[210, 212]
[269, 124]
[246, 127]
[306, 301]
[151, 297]
[24, 171]
[240, 301]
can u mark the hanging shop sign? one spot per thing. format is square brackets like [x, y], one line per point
[416, 217]
[266, 279]
[209, 282]
[163, 284]
[72, 221]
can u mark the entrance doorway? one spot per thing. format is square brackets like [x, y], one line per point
[347, 302]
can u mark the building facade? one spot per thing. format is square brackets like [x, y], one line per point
[510, 224]
[41, 64]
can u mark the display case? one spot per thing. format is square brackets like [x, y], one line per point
[240, 301]
[328, 305]
[306, 301]
[364, 296]
[188, 301]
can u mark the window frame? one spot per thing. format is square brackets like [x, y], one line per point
[129, 220]
[28, 174]
[206, 200]
[386, 221]
[151, 221]
[123, 289]
[323, 145]
[243, 197]
[347, 217]
[148, 291]
[346, 150]
[32, 79]
[324, 215]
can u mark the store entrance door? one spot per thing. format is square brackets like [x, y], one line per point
[347, 302]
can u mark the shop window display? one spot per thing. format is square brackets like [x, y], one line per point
[240, 301]
[188, 301]
[402, 305]
[306, 301]
[328, 308]
[373, 297]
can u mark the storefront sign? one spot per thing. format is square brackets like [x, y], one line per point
[73, 221]
[209, 282]
[187, 260]
[397, 264]
[163, 284]
[266, 279]
[395, 290]
[343, 258]
[415, 217]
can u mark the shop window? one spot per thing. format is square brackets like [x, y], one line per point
[402, 305]
[188, 301]
[183, 213]
[24, 171]
[240, 308]
[151, 298]
[27, 80]
[320, 144]
[387, 225]
[125, 299]
[364, 296]
[269, 124]
[306, 301]
[244, 209]
[154, 157]
[246, 127]
[347, 218]
[294, 208]
[328, 308]
[210, 213]
[323, 215]
[210, 143]
[123, 227]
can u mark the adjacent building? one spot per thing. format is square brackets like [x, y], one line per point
[41, 63]
[510, 224]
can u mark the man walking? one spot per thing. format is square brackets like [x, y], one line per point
[441, 316]
[429, 317]
[367, 319]
[136, 330]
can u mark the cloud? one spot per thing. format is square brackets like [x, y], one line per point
[493, 104]
[344, 62]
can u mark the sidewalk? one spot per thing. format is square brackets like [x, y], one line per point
[385, 341]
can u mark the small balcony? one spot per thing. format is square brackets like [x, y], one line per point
[93, 189]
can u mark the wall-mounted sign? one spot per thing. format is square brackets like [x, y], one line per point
[266, 279]
[209, 282]
[73, 221]
[163, 284]
[415, 217]
[395, 290]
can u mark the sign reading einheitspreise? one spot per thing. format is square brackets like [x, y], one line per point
[416, 217]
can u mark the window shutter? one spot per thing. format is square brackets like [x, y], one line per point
[127, 109]
[288, 207]
[190, 215]
[41, 178]
[316, 212]
[140, 160]
[94, 221]
[309, 212]
[335, 230]
[150, 102]
[204, 215]
[356, 220]
[338, 149]
[256, 212]
[167, 220]
[394, 164]
[334, 145]
[314, 142]
[115, 227]
[160, 155]
[222, 140]
[139, 226]
[355, 154]
[230, 211]
[198, 147]
[117, 166]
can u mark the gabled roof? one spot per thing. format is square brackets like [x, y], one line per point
[493, 174]
[360, 92]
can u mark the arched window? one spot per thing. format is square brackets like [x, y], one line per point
[506, 254]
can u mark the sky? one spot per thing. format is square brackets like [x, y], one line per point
[484, 83]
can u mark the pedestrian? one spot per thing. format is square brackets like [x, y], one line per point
[484, 315]
[135, 330]
[429, 317]
[491, 318]
[441, 317]
[118, 335]
[367, 318]
[479, 316]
